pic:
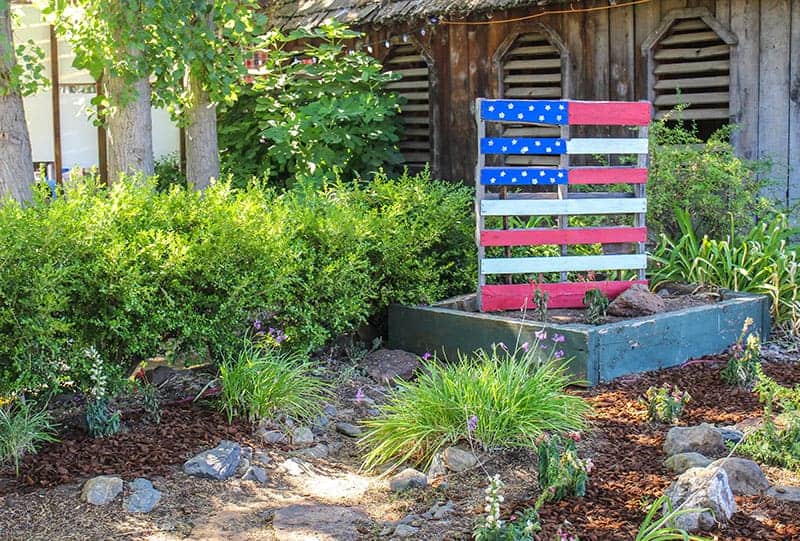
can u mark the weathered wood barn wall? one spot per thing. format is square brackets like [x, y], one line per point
[732, 60]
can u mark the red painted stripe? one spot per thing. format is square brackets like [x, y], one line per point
[495, 298]
[607, 175]
[609, 113]
[536, 237]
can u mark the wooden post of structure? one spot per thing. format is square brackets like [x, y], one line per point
[55, 90]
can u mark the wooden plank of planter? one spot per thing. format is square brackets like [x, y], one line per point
[607, 146]
[575, 263]
[561, 295]
[521, 207]
[538, 237]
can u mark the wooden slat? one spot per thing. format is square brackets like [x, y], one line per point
[607, 175]
[692, 53]
[540, 63]
[562, 295]
[533, 50]
[691, 37]
[745, 23]
[696, 114]
[607, 146]
[414, 107]
[407, 84]
[406, 59]
[523, 145]
[566, 206]
[693, 67]
[418, 120]
[535, 78]
[412, 72]
[690, 24]
[424, 145]
[609, 113]
[517, 176]
[416, 157]
[539, 236]
[693, 99]
[415, 95]
[534, 92]
[570, 263]
[693, 82]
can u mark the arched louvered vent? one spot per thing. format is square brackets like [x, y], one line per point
[691, 65]
[531, 68]
[414, 85]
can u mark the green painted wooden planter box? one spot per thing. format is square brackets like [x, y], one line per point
[598, 352]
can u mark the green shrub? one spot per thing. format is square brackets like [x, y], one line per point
[496, 398]
[706, 179]
[263, 381]
[22, 429]
[665, 404]
[305, 121]
[743, 366]
[127, 270]
[757, 261]
[596, 303]
[561, 472]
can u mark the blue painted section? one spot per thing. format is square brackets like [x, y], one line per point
[523, 145]
[515, 176]
[554, 112]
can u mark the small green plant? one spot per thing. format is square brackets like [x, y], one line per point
[493, 528]
[540, 300]
[665, 404]
[150, 404]
[561, 472]
[658, 525]
[101, 419]
[514, 395]
[22, 429]
[596, 304]
[745, 358]
[262, 381]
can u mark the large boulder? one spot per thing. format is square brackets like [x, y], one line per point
[218, 463]
[683, 461]
[318, 522]
[703, 439]
[744, 476]
[386, 365]
[102, 489]
[706, 490]
[636, 301]
[459, 460]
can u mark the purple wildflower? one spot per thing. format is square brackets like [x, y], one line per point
[541, 334]
[257, 325]
[472, 424]
[559, 354]
[503, 346]
[558, 338]
[360, 396]
[277, 334]
[525, 346]
[427, 355]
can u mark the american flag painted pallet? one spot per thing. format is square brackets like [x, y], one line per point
[489, 179]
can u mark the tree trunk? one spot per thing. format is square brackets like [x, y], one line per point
[202, 149]
[16, 163]
[130, 129]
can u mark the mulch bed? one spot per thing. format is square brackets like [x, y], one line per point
[142, 451]
[629, 472]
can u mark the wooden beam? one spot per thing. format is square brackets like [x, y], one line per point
[570, 263]
[102, 142]
[55, 91]
[566, 206]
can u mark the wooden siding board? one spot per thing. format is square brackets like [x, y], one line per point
[646, 19]
[773, 111]
[460, 121]
[745, 83]
[794, 109]
[622, 58]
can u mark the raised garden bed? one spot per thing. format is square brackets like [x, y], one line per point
[598, 352]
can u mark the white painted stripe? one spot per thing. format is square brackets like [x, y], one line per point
[607, 146]
[550, 207]
[577, 263]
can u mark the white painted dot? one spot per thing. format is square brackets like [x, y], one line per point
[520, 116]
[541, 117]
[491, 108]
[502, 115]
[524, 173]
[510, 105]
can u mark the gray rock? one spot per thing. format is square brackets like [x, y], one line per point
[386, 365]
[348, 429]
[683, 461]
[140, 484]
[437, 467]
[295, 466]
[731, 433]
[408, 479]
[440, 510]
[302, 435]
[319, 423]
[787, 494]
[102, 489]
[411, 519]
[744, 476]
[702, 488]
[271, 436]
[330, 410]
[217, 463]
[255, 473]
[318, 451]
[459, 460]
[310, 522]
[703, 439]
[142, 501]
[404, 531]
[247, 452]
[636, 301]
[244, 464]
[260, 457]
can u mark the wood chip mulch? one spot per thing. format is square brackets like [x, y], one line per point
[629, 472]
[141, 451]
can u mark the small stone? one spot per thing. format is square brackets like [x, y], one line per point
[437, 467]
[702, 488]
[459, 460]
[218, 463]
[405, 531]
[441, 510]
[703, 439]
[260, 457]
[302, 435]
[636, 301]
[329, 410]
[319, 423]
[244, 464]
[683, 461]
[408, 479]
[295, 466]
[247, 452]
[744, 476]
[140, 484]
[787, 494]
[102, 489]
[318, 451]
[386, 365]
[271, 436]
[731, 433]
[348, 429]
[142, 501]
[255, 473]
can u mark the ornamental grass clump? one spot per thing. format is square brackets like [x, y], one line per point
[22, 429]
[496, 398]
